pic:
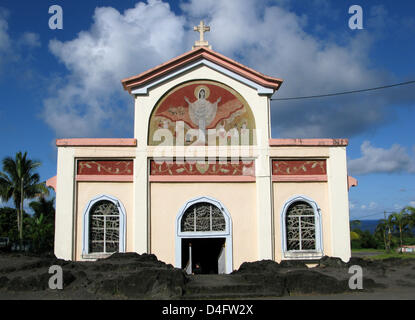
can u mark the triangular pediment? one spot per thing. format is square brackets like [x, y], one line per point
[140, 84]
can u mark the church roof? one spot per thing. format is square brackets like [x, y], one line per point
[192, 56]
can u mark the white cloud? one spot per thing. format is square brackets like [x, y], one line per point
[14, 53]
[412, 203]
[379, 160]
[274, 40]
[269, 38]
[118, 45]
[370, 206]
[5, 42]
[29, 39]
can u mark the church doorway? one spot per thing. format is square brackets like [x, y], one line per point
[206, 253]
[204, 237]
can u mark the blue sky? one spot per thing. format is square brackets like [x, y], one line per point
[66, 83]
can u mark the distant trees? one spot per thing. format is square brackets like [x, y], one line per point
[42, 224]
[8, 227]
[384, 231]
[38, 227]
[411, 211]
[380, 232]
[19, 181]
[396, 230]
[400, 221]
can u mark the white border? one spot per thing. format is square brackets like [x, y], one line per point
[143, 90]
[118, 203]
[305, 254]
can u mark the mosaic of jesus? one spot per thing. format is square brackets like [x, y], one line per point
[196, 108]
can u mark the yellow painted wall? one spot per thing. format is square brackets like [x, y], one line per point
[259, 105]
[316, 191]
[238, 198]
[87, 191]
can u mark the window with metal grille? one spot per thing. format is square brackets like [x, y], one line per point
[300, 227]
[203, 217]
[104, 227]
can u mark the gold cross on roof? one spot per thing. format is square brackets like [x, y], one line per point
[201, 28]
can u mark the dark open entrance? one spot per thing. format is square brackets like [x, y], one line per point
[205, 251]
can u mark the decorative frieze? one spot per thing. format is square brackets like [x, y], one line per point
[105, 167]
[174, 168]
[298, 167]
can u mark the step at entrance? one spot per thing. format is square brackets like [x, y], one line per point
[222, 286]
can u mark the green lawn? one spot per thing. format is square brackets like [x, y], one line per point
[368, 250]
[385, 255]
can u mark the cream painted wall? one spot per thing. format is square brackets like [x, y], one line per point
[104, 152]
[260, 108]
[250, 204]
[65, 195]
[299, 152]
[64, 224]
[339, 202]
[317, 191]
[123, 191]
[238, 198]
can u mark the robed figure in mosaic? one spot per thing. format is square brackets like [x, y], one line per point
[202, 112]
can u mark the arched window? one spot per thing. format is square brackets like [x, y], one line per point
[301, 229]
[202, 217]
[104, 227]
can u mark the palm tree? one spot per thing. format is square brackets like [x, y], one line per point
[400, 221]
[45, 207]
[41, 232]
[389, 227]
[19, 181]
[42, 224]
[411, 215]
[381, 230]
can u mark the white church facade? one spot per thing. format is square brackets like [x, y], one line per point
[202, 181]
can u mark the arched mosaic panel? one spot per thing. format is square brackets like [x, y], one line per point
[202, 217]
[203, 105]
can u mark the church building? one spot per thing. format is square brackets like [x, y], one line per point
[202, 181]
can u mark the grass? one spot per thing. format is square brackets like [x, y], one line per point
[385, 255]
[368, 250]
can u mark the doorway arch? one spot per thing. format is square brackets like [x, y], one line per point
[210, 230]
